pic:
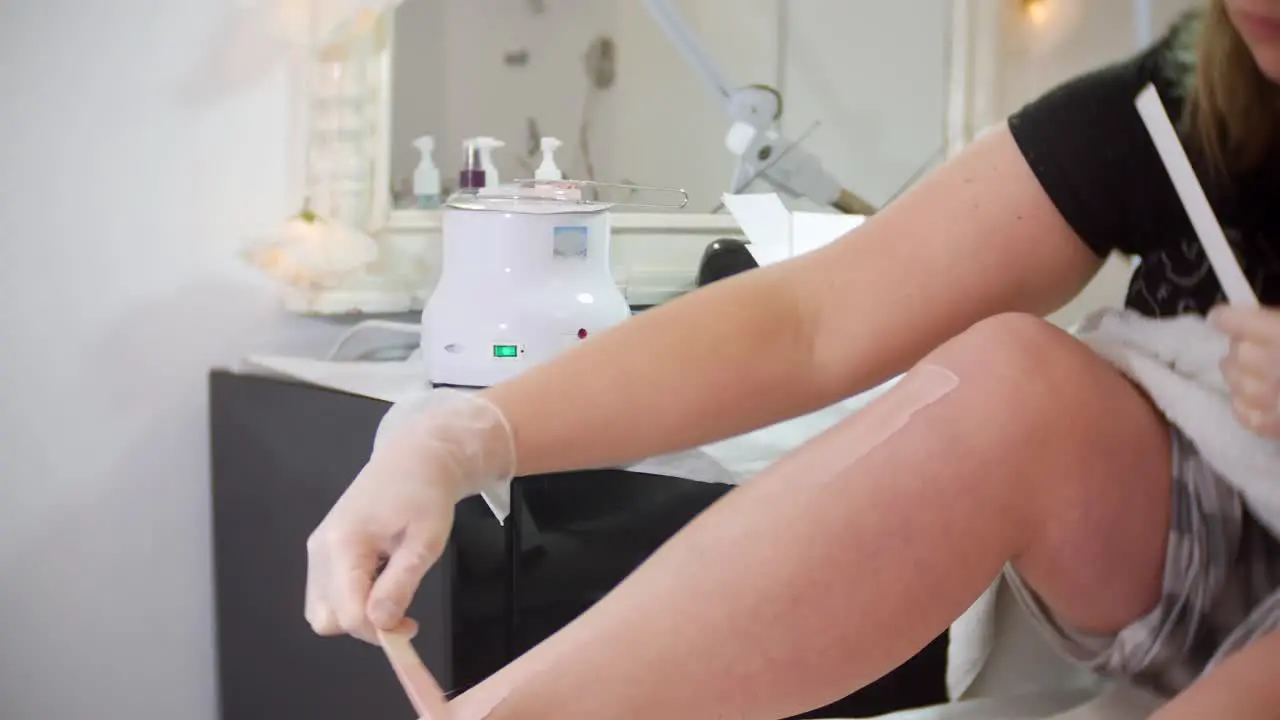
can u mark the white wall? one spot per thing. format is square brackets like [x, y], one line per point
[1076, 36]
[125, 190]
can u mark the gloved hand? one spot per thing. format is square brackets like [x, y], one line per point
[1252, 367]
[429, 453]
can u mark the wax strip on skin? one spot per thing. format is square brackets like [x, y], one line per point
[917, 390]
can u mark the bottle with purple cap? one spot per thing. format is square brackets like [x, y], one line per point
[472, 176]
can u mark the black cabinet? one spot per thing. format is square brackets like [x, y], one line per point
[283, 452]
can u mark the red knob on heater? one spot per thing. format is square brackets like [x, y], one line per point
[582, 333]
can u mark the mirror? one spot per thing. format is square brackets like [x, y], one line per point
[875, 91]
[864, 84]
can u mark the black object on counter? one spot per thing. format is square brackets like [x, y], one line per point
[283, 452]
[724, 258]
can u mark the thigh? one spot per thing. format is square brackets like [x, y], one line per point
[1242, 687]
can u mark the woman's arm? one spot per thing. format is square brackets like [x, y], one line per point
[976, 238]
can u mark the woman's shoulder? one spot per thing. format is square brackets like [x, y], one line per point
[1086, 143]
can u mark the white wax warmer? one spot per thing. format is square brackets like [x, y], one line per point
[525, 275]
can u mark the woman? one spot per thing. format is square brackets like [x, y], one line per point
[1007, 445]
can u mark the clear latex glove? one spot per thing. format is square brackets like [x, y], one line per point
[1252, 367]
[430, 452]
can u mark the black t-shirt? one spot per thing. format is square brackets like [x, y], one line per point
[1091, 152]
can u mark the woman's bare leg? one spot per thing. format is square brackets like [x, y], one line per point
[1243, 687]
[829, 570]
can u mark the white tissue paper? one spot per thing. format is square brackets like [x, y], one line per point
[776, 233]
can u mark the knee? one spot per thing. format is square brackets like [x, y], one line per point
[1037, 384]
[1016, 358]
[1033, 385]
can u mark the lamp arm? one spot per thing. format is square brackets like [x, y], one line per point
[752, 112]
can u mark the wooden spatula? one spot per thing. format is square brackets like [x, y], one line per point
[424, 692]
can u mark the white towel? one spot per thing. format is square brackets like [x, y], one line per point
[1176, 361]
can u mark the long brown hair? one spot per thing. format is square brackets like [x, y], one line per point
[1233, 111]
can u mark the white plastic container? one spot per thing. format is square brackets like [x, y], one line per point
[525, 275]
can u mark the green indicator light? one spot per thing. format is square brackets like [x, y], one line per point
[505, 351]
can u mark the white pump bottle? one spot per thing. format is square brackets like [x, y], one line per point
[548, 170]
[426, 178]
[487, 145]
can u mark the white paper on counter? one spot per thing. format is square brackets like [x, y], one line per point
[767, 224]
[776, 234]
[810, 230]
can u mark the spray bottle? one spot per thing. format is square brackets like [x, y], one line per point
[426, 178]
